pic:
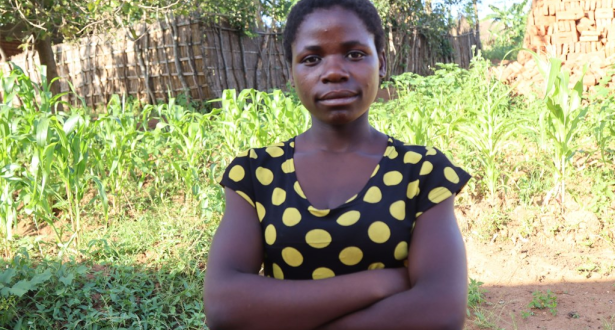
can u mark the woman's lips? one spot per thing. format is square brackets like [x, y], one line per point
[338, 98]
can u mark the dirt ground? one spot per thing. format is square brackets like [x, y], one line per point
[581, 278]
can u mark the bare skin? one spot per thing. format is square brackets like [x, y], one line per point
[336, 70]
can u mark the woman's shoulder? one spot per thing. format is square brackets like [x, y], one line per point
[266, 156]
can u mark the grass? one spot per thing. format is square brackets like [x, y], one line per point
[127, 200]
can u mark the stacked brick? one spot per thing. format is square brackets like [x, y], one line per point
[577, 32]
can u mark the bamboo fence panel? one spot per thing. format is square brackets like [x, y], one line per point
[186, 57]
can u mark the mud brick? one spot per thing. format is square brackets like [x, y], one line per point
[590, 33]
[544, 20]
[604, 13]
[572, 14]
[564, 37]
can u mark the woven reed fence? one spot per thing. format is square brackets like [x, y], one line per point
[193, 58]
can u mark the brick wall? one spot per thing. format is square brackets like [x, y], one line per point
[572, 30]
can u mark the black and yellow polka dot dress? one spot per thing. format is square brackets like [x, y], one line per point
[371, 230]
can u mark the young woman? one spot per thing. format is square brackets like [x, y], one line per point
[355, 229]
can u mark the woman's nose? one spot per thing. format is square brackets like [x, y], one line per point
[334, 70]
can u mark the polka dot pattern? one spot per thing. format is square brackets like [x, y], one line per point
[291, 217]
[373, 195]
[371, 230]
[379, 232]
[237, 173]
[322, 273]
[318, 238]
[351, 256]
[349, 218]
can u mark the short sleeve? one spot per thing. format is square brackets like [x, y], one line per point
[439, 179]
[238, 177]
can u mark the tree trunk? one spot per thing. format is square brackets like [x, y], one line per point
[45, 55]
[479, 45]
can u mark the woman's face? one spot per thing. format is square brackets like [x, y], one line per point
[335, 65]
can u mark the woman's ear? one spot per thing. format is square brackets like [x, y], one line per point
[382, 58]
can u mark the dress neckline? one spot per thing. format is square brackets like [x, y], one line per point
[367, 185]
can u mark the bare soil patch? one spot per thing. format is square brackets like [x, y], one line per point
[581, 278]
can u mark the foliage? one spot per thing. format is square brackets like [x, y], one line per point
[433, 20]
[70, 295]
[560, 124]
[541, 300]
[508, 29]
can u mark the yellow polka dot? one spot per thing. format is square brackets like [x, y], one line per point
[237, 173]
[292, 144]
[277, 272]
[398, 210]
[401, 251]
[426, 168]
[430, 151]
[278, 197]
[219, 178]
[322, 273]
[279, 144]
[392, 178]
[318, 212]
[351, 199]
[275, 151]
[260, 211]
[418, 214]
[288, 166]
[379, 232]
[373, 195]
[270, 235]
[412, 157]
[264, 176]
[298, 190]
[351, 256]
[243, 153]
[392, 153]
[246, 197]
[439, 194]
[318, 238]
[413, 189]
[292, 257]
[451, 175]
[291, 216]
[253, 154]
[375, 170]
[349, 218]
[376, 265]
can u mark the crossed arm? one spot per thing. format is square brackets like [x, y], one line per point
[430, 294]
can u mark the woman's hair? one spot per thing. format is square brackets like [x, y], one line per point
[364, 9]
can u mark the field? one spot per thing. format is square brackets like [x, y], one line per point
[106, 215]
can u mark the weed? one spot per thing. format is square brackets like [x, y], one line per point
[541, 301]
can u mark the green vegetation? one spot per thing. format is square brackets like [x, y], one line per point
[106, 218]
[541, 301]
[507, 31]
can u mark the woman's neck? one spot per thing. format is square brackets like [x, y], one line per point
[340, 139]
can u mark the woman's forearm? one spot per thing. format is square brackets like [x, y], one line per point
[248, 301]
[415, 309]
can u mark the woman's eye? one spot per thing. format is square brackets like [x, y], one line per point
[355, 55]
[310, 60]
